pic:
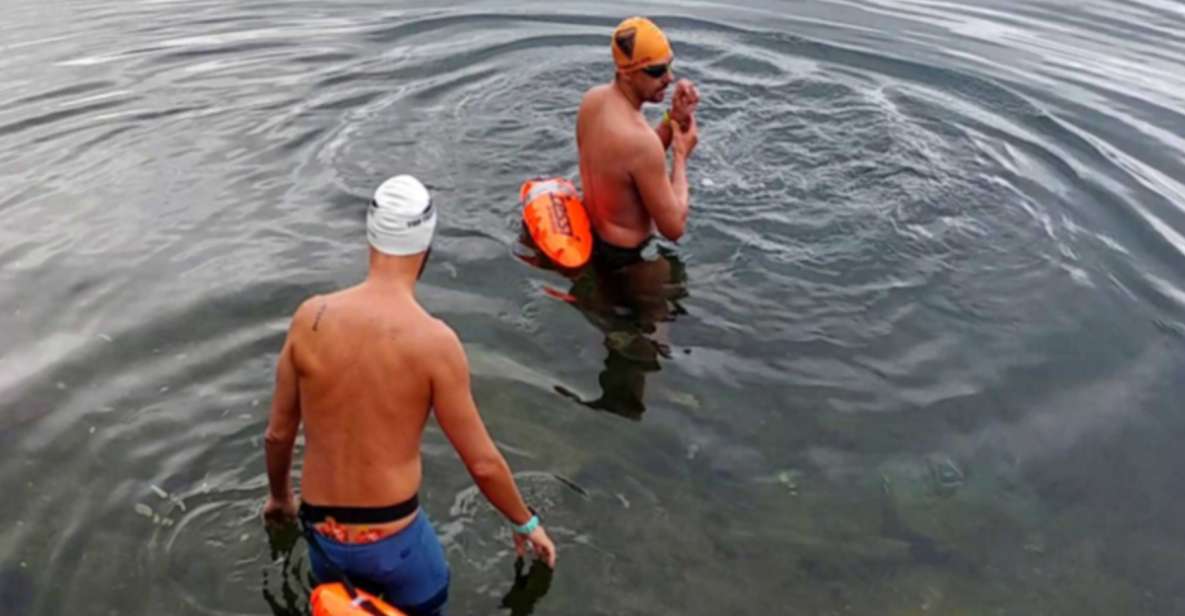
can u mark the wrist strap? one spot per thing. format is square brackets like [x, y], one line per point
[528, 527]
[666, 117]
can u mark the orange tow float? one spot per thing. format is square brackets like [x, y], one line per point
[334, 599]
[557, 221]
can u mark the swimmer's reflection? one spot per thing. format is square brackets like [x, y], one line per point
[292, 599]
[528, 588]
[633, 304]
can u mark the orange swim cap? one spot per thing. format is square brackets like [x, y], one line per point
[637, 42]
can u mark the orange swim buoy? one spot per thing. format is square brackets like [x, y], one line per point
[334, 600]
[557, 221]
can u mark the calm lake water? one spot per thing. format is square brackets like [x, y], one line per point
[921, 350]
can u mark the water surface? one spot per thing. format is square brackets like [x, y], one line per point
[921, 354]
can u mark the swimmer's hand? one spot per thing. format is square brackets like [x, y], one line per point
[684, 137]
[541, 544]
[684, 101]
[280, 512]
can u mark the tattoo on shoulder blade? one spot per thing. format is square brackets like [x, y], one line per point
[317, 321]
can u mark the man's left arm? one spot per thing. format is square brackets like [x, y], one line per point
[683, 104]
[280, 438]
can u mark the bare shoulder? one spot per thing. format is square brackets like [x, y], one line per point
[642, 144]
[308, 312]
[442, 338]
[594, 95]
[443, 346]
[591, 104]
[306, 317]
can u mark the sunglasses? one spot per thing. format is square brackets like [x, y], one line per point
[657, 71]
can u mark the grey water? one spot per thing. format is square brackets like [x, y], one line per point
[923, 350]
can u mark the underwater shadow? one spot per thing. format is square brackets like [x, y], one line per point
[633, 305]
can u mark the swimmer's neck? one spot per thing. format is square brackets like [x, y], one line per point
[390, 285]
[390, 274]
[629, 95]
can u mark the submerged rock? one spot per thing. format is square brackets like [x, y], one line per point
[945, 475]
[790, 478]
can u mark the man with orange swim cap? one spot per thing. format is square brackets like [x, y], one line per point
[362, 369]
[627, 189]
[628, 194]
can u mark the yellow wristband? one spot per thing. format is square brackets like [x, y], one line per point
[666, 117]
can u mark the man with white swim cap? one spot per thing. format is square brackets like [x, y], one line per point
[627, 190]
[362, 368]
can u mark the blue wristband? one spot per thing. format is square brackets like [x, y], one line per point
[529, 526]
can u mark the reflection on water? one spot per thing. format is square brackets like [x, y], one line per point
[634, 306]
[295, 577]
[528, 587]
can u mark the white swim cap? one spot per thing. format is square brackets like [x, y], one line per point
[401, 219]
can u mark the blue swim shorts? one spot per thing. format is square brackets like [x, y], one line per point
[407, 569]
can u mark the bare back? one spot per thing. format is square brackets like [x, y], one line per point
[610, 132]
[363, 363]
